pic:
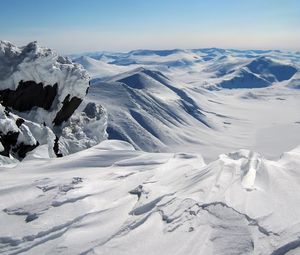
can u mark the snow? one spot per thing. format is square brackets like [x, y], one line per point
[84, 129]
[158, 105]
[41, 65]
[28, 133]
[162, 114]
[112, 199]
[189, 166]
[99, 68]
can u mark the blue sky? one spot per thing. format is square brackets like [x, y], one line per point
[87, 25]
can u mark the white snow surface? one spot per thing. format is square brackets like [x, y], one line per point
[111, 199]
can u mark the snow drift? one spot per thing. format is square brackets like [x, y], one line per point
[112, 199]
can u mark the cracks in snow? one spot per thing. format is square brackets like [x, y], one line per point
[41, 237]
[251, 221]
[226, 226]
[51, 197]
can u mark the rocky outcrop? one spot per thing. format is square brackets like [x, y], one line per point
[83, 130]
[39, 93]
[68, 108]
[19, 136]
[39, 84]
[29, 94]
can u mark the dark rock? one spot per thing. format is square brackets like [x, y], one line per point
[56, 148]
[8, 140]
[69, 106]
[92, 110]
[6, 111]
[19, 122]
[22, 149]
[29, 94]
[31, 217]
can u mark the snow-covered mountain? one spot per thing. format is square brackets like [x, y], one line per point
[186, 152]
[149, 110]
[211, 64]
[203, 100]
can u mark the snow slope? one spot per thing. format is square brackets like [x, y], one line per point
[98, 68]
[111, 199]
[200, 100]
[155, 112]
[149, 110]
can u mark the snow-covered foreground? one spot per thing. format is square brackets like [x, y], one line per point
[111, 199]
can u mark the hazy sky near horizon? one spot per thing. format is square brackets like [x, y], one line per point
[71, 26]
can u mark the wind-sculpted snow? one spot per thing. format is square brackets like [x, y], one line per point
[111, 199]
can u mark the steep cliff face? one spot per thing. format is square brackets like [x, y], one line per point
[40, 84]
[39, 92]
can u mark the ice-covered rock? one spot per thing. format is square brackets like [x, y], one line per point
[19, 136]
[84, 129]
[43, 86]
[43, 90]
